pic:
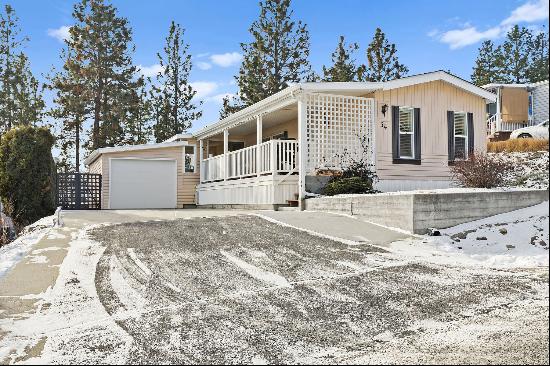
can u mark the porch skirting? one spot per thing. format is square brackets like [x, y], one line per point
[263, 191]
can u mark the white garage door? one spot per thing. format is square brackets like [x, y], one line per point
[136, 183]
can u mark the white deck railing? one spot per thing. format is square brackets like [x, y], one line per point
[213, 168]
[496, 124]
[271, 157]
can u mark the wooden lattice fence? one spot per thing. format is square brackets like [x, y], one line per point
[78, 191]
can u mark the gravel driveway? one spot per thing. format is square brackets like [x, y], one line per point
[245, 290]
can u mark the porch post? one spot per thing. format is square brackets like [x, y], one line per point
[259, 138]
[201, 158]
[499, 109]
[302, 151]
[225, 151]
[273, 156]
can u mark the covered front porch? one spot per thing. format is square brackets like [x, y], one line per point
[260, 156]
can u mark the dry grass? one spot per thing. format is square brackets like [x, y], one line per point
[518, 145]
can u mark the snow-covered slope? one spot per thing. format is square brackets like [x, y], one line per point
[531, 169]
[514, 239]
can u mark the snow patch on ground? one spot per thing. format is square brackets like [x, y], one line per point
[138, 262]
[514, 239]
[69, 315]
[256, 272]
[13, 252]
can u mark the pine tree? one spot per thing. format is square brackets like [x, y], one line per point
[383, 63]
[72, 109]
[29, 100]
[277, 56]
[486, 69]
[21, 100]
[538, 67]
[230, 105]
[100, 43]
[515, 55]
[343, 66]
[172, 91]
[138, 128]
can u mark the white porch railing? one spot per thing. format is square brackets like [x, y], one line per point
[213, 168]
[271, 157]
[496, 124]
[492, 124]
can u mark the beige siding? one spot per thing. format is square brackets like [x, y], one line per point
[434, 100]
[96, 166]
[187, 182]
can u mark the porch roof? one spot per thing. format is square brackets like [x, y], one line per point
[290, 96]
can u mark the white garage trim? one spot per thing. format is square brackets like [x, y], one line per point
[145, 159]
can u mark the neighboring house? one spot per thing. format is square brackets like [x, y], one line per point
[517, 106]
[272, 152]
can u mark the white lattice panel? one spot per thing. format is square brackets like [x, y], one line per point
[336, 123]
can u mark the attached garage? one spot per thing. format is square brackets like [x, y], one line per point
[150, 176]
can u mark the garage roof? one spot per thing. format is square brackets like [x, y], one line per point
[97, 153]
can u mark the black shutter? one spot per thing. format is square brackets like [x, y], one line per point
[395, 131]
[451, 134]
[470, 133]
[417, 135]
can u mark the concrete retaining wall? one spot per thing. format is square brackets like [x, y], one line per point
[418, 211]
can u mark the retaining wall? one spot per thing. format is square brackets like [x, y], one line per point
[417, 211]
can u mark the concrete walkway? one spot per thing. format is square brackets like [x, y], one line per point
[338, 226]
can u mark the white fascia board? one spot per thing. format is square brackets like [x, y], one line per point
[496, 85]
[177, 137]
[106, 150]
[358, 86]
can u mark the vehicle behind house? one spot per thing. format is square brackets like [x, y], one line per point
[539, 131]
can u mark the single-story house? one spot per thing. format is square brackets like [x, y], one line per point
[271, 153]
[516, 106]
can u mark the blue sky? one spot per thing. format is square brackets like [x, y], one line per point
[430, 35]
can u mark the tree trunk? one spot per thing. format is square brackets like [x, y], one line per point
[77, 146]
[97, 115]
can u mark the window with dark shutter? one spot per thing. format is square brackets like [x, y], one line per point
[406, 133]
[406, 144]
[461, 136]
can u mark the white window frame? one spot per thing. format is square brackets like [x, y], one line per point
[194, 159]
[411, 157]
[465, 136]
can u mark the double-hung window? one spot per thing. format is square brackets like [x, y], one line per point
[460, 136]
[189, 159]
[406, 132]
